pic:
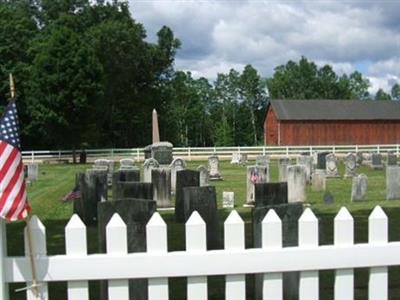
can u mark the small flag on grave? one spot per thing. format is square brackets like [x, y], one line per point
[73, 195]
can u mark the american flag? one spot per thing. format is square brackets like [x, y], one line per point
[73, 195]
[13, 201]
[254, 176]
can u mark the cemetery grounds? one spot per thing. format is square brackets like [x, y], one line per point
[56, 180]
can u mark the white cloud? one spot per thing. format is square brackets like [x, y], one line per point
[219, 35]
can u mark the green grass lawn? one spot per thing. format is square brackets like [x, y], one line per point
[56, 180]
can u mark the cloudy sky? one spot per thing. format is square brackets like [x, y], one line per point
[218, 35]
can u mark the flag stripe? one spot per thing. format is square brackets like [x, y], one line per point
[3, 146]
[6, 159]
[9, 191]
[16, 206]
[7, 173]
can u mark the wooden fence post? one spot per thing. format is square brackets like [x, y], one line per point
[76, 244]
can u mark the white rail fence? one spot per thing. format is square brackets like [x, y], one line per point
[201, 153]
[157, 264]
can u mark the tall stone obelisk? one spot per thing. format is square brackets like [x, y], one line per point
[156, 133]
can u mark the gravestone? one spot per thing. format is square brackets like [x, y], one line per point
[155, 130]
[306, 161]
[262, 160]
[321, 160]
[161, 180]
[235, 158]
[350, 163]
[289, 214]
[271, 193]
[204, 201]
[359, 187]
[359, 159]
[314, 159]
[331, 165]
[135, 213]
[255, 174]
[367, 159]
[176, 165]
[130, 189]
[184, 178]
[93, 187]
[376, 161]
[162, 152]
[124, 175]
[243, 159]
[283, 163]
[147, 152]
[105, 164]
[318, 181]
[228, 199]
[296, 180]
[392, 182]
[213, 168]
[204, 175]
[127, 164]
[328, 198]
[148, 166]
[391, 159]
[32, 171]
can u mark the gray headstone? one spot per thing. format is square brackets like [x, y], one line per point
[129, 189]
[359, 187]
[127, 164]
[331, 165]
[149, 164]
[306, 161]
[161, 179]
[105, 164]
[213, 168]
[350, 163]
[391, 159]
[273, 193]
[328, 198]
[318, 181]
[367, 159]
[184, 178]
[135, 213]
[321, 162]
[296, 179]
[283, 163]
[289, 214]
[262, 160]
[122, 176]
[359, 158]
[33, 171]
[162, 152]
[235, 158]
[147, 152]
[255, 174]
[176, 165]
[392, 182]
[204, 175]
[376, 161]
[204, 201]
[228, 199]
[93, 187]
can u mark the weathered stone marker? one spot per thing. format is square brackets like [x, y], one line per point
[262, 160]
[32, 171]
[350, 163]
[162, 152]
[321, 160]
[272, 193]
[127, 175]
[376, 161]
[296, 179]
[204, 201]
[129, 189]
[306, 161]
[283, 163]
[228, 199]
[127, 164]
[155, 130]
[135, 213]
[184, 178]
[318, 181]
[255, 174]
[359, 158]
[359, 188]
[161, 179]
[176, 165]
[392, 182]
[204, 175]
[331, 166]
[391, 159]
[148, 166]
[213, 168]
[93, 187]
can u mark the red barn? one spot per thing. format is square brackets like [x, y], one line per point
[332, 122]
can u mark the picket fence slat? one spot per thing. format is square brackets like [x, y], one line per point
[235, 285]
[344, 235]
[272, 239]
[39, 248]
[378, 234]
[117, 244]
[308, 237]
[76, 244]
[196, 241]
[156, 241]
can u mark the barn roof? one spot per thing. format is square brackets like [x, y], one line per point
[336, 109]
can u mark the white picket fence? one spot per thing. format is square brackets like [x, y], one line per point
[201, 153]
[77, 267]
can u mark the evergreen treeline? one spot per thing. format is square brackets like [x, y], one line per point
[87, 77]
